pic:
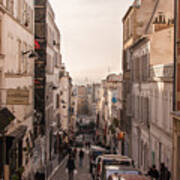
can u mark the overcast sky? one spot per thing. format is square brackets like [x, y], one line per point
[91, 36]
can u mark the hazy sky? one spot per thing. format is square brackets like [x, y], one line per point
[91, 36]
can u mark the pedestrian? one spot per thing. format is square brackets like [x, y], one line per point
[69, 150]
[71, 167]
[153, 172]
[89, 144]
[81, 157]
[74, 153]
[168, 174]
[164, 172]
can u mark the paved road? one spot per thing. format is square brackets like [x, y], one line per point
[82, 173]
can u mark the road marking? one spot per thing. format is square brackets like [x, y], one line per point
[55, 170]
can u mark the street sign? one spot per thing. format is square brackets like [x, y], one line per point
[17, 97]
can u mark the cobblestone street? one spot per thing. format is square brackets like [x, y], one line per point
[82, 173]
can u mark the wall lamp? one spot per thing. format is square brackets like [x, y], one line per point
[31, 54]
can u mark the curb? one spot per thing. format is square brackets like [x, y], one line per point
[57, 167]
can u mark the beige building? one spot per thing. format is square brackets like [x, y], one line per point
[73, 108]
[65, 99]
[108, 112]
[176, 97]
[144, 18]
[82, 100]
[17, 78]
[150, 76]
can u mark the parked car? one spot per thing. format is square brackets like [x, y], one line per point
[94, 152]
[131, 177]
[119, 170]
[78, 141]
[111, 159]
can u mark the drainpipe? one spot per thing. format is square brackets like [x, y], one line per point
[175, 55]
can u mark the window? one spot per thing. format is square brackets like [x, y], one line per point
[19, 56]
[10, 6]
[24, 59]
[0, 35]
[145, 68]
[19, 10]
[57, 101]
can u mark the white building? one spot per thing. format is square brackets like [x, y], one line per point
[151, 106]
[17, 73]
[108, 111]
[65, 97]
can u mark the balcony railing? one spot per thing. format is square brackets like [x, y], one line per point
[161, 71]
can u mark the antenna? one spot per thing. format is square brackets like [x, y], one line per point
[109, 69]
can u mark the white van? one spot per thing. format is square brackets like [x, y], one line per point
[111, 159]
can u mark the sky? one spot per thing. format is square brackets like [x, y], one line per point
[91, 37]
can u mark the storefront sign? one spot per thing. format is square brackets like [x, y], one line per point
[17, 97]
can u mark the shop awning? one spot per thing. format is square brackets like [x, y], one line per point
[18, 133]
[5, 118]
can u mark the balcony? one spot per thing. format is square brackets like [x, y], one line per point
[162, 71]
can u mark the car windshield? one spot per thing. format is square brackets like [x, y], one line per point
[113, 171]
[116, 162]
[96, 153]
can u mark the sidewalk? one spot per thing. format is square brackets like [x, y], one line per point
[82, 173]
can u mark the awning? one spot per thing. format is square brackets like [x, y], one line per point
[5, 118]
[18, 133]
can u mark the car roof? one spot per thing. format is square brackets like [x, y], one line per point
[114, 156]
[97, 148]
[116, 167]
[134, 177]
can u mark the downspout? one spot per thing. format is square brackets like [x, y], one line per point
[175, 55]
[174, 86]
[153, 13]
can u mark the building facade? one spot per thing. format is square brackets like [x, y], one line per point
[17, 81]
[47, 82]
[176, 97]
[148, 101]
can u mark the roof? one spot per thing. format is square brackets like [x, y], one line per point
[5, 118]
[142, 39]
[116, 156]
[127, 12]
[126, 168]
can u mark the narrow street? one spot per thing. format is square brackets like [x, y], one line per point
[82, 173]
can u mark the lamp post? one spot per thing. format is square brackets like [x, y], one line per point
[5, 173]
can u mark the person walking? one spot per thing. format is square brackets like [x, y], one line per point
[71, 167]
[153, 172]
[74, 153]
[168, 174]
[81, 157]
[164, 172]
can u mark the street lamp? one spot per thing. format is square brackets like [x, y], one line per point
[4, 152]
[32, 54]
